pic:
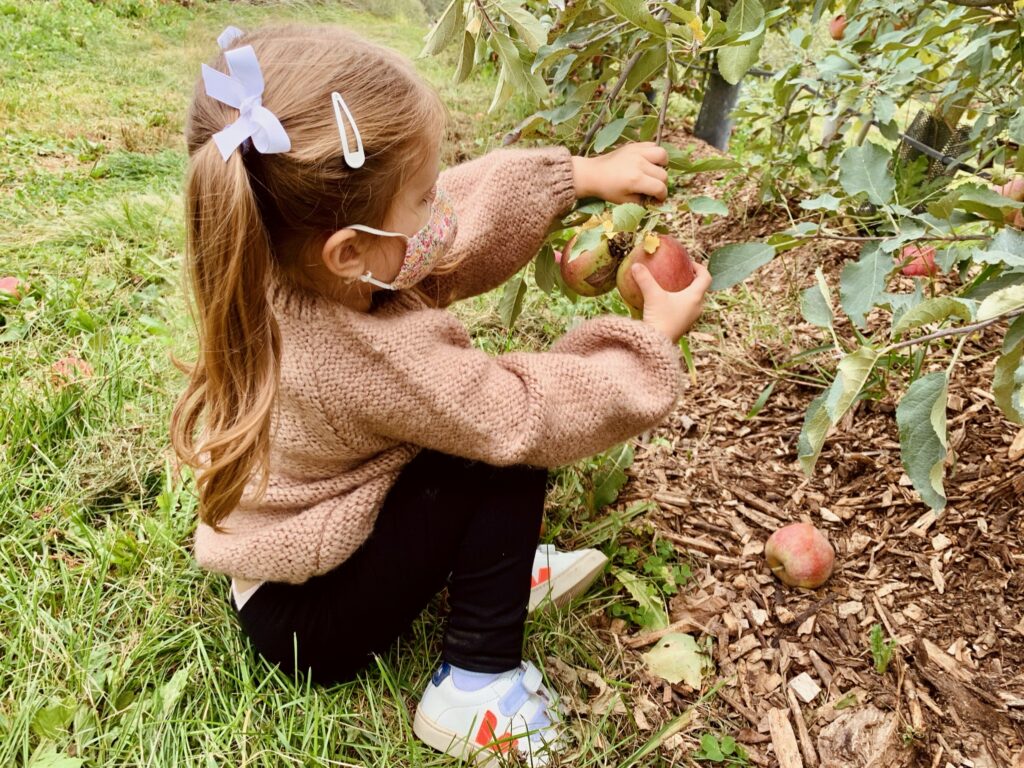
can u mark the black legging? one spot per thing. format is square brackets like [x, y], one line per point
[444, 515]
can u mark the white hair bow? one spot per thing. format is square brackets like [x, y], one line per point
[243, 90]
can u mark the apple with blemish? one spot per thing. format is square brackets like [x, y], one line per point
[592, 272]
[800, 555]
[669, 264]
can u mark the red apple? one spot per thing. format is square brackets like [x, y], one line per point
[592, 272]
[921, 261]
[670, 265]
[1013, 189]
[69, 370]
[800, 555]
[837, 27]
[13, 287]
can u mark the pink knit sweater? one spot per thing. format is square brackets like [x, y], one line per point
[362, 393]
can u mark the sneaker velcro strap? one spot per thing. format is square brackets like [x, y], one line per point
[532, 679]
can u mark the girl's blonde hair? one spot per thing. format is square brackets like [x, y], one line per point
[253, 216]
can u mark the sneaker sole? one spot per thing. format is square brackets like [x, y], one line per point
[443, 740]
[571, 583]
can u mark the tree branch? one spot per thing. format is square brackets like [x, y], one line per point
[964, 329]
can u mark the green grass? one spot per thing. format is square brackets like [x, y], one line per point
[115, 649]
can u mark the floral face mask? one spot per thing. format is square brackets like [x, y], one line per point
[422, 250]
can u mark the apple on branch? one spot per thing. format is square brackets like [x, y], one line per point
[666, 259]
[919, 261]
[837, 27]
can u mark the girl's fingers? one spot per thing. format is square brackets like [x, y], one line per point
[653, 153]
[656, 188]
[656, 171]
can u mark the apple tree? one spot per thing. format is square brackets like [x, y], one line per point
[905, 135]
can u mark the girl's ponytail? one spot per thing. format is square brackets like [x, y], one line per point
[266, 215]
[235, 378]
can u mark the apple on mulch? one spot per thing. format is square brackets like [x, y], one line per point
[668, 262]
[919, 261]
[800, 555]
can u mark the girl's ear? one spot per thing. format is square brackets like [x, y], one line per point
[342, 257]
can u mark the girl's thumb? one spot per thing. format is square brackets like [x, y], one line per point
[644, 278]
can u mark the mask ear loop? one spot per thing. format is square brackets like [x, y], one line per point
[368, 277]
[356, 158]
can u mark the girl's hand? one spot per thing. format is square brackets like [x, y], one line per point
[625, 175]
[672, 313]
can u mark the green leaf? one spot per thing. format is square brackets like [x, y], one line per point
[511, 303]
[816, 304]
[635, 11]
[587, 240]
[466, 58]
[813, 433]
[48, 757]
[932, 311]
[866, 169]
[652, 606]
[677, 658]
[862, 283]
[680, 161]
[1014, 334]
[710, 748]
[761, 401]
[514, 70]
[171, 691]
[745, 19]
[825, 202]
[626, 217]
[827, 409]
[732, 264]
[452, 21]
[52, 721]
[531, 30]
[707, 206]
[983, 201]
[610, 134]
[1008, 383]
[851, 374]
[1007, 248]
[1001, 302]
[610, 475]
[921, 416]
[545, 269]
[650, 63]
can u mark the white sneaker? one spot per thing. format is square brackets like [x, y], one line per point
[514, 712]
[561, 576]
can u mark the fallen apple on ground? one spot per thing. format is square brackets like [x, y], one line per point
[800, 555]
[70, 370]
[837, 27]
[591, 273]
[12, 286]
[920, 262]
[669, 264]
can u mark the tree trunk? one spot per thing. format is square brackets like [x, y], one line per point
[714, 123]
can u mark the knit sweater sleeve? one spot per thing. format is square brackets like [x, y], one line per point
[607, 380]
[505, 203]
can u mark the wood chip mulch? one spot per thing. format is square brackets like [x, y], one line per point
[798, 685]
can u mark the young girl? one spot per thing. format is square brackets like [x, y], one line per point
[357, 454]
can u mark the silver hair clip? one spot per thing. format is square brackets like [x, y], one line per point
[354, 158]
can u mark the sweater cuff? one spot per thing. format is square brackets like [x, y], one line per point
[557, 163]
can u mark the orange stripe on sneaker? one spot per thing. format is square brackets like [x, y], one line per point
[543, 574]
[486, 736]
